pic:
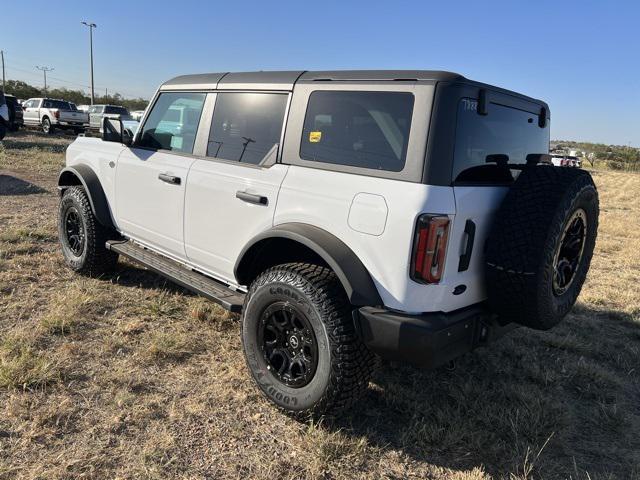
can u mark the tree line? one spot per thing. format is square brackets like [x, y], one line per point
[615, 157]
[23, 90]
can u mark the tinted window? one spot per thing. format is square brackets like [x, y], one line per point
[360, 129]
[59, 104]
[246, 127]
[504, 130]
[173, 122]
[116, 110]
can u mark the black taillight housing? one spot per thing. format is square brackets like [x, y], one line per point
[429, 248]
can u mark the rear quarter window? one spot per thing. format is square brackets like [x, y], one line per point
[504, 130]
[360, 129]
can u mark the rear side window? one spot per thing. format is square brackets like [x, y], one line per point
[246, 127]
[59, 104]
[504, 130]
[173, 122]
[359, 129]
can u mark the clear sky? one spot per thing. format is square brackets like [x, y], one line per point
[582, 57]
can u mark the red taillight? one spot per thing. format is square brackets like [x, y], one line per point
[56, 113]
[430, 248]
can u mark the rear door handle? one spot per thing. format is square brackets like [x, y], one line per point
[165, 177]
[252, 198]
[465, 258]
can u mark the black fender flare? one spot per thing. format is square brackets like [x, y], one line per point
[89, 180]
[349, 269]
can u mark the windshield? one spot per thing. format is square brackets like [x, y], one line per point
[504, 130]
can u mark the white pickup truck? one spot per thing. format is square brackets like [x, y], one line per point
[50, 114]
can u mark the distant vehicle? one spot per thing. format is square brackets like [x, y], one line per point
[561, 160]
[98, 112]
[15, 113]
[51, 114]
[137, 115]
[84, 108]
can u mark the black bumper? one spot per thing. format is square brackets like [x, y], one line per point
[428, 340]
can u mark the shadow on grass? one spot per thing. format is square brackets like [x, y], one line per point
[558, 404]
[10, 185]
[570, 393]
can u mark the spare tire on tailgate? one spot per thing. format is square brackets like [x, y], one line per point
[540, 246]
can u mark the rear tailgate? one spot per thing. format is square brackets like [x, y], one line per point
[73, 116]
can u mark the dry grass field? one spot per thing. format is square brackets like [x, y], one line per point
[130, 377]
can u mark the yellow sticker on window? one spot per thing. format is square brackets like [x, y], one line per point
[315, 137]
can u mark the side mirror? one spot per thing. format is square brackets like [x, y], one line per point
[113, 131]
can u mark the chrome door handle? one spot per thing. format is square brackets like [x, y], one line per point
[165, 177]
[252, 198]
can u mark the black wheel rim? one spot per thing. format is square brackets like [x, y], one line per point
[569, 254]
[288, 344]
[74, 231]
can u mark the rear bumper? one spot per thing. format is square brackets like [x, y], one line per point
[428, 340]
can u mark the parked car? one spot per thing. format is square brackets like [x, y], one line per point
[137, 115]
[561, 160]
[51, 114]
[4, 116]
[15, 113]
[407, 214]
[84, 108]
[98, 112]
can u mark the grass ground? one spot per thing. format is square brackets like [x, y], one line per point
[130, 377]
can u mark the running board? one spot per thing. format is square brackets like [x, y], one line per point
[189, 279]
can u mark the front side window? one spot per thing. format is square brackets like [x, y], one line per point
[246, 127]
[360, 129]
[173, 122]
[504, 130]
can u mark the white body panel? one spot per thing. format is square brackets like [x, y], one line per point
[324, 198]
[147, 208]
[218, 224]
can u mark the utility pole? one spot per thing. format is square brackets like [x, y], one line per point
[45, 70]
[2, 55]
[91, 27]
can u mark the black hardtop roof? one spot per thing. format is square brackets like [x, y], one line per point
[280, 78]
[285, 80]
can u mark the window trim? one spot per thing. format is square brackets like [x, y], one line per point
[422, 91]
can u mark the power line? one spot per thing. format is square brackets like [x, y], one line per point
[45, 70]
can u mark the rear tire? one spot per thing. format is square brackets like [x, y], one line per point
[82, 237]
[540, 247]
[327, 368]
[46, 126]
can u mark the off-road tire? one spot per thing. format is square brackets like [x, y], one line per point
[344, 363]
[525, 238]
[46, 126]
[94, 258]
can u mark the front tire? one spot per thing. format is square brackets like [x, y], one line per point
[300, 342]
[82, 237]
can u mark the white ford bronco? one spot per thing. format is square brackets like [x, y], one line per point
[347, 215]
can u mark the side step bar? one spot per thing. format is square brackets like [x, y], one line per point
[194, 281]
